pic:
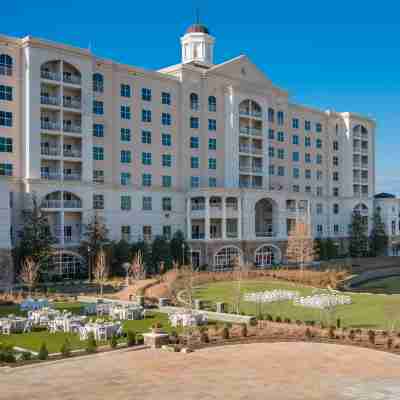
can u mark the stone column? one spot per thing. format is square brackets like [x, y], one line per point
[207, 218]
[223, 217]
[239, 213]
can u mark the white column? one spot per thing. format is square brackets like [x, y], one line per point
[207, 219]
[223, 217]
[239, 200]
[62, 223]
[189, 218]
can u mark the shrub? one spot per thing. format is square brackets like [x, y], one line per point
[225, 332]
[371, 336]
[91, 344]
[331, 332]
[288, 320]
[7, 354]
[243, 330]
[114, 341]
[352, 335]
[204, 338]
[338, 323]
[139, 339]
[278, 319]
[308, 334]
[66, 348]
[26, 356]
[131, 338]
[298, 322]
[389, 343]
[269, 317]
[43, 352]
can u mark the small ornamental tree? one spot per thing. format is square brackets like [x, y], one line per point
[66, 348]
[29, 273]
[378, 240]
[131, 338]
[160, 253]
[358, 246]
[301, 248]
[101, 270]
[114, 341]
[43, 352]
[179, 249]
[91, 344]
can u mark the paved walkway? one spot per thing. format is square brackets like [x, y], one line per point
[279, 371]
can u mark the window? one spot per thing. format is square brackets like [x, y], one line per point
[5, 93]
[212, 182]
[335, 145]
[280, 117]
[166, 119]
[212, 104]
[212, 163]
[307, 125]
[212, 144]
[212, 125]
[296, 173]
[194, 102]
[281, 171]
[126, 202]
[271, 169]
[335, 192]
[147, 233]
[166, 181]
[319, 158]
[98, 176]
[320, 229]
[146, 115]
[166, 204]
[166, 139]
[166, 160]
[167, 232]
[319, 175]
[125, 90]
[335, 161]
[335, 176]
[146, 94]
[125, 112]
[319, 191]
[165, 98]
[125, 178]
[281, 154]
[295, 139]
[307, 189]
[318, 127]
[295, 156]
[296, 188]
[98, 107]
[126, 233]
[318, 143]
[295, 123]
[98, 83]
[194, 181]
[271, 115]
[6, 118]
[6, 169]
[271, 134]
[335, 228]
[98, 130]
[271, 152]
[98, 201]
[98, 153]
[6, 145]
[194, 142]
[320, 208]
[194, 122]
[307, 157]
[146, 180]
[6, 63]
[147, 203]
[307, 174]
[307, 141]
[281, 137]
[125, 135]
[146, 137]
[126, 157]
[336, 208]
[194, 162]
[146, 158]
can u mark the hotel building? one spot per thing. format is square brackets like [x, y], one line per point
[214, 150]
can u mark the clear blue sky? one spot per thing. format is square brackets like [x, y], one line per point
[343, 55]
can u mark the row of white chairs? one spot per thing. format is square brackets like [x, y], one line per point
[271, 296]
[322, 301]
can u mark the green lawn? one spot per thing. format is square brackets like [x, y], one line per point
[54, 341]
[385, 284]
[369, 311]
[74, 307]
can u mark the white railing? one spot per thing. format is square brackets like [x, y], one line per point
[72, 203]
[62, 203]
[46, 150]
[256, 131]
[72, 235]
[252, 113]
[257, 169]
[50, 125]
[74, 128]
[50, 100]
[71, 78]
[5, 70]
[51, 175]
[245, 168]
[364, 151]
[75, 176]
[249, 185]
[198, 207]
[72, 103]
[244, 148]
[50, 75]
[51, 204]
[72, 153]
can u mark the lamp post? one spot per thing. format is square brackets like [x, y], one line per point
[183, 254]
[89, 264]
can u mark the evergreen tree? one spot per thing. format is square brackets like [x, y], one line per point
[358, 246]
[378, 239]
[179, 249]
[43, 352]
[331, 249]
[160, 252]
[35, 238]
[120, 253]
[95, 238]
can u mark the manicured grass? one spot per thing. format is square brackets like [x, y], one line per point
[368, 311]
[74, 307]
[385, 284]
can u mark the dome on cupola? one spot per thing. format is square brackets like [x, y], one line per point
[197, 28]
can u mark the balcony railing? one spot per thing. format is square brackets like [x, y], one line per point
[51, 204]
[50, 125]
[72, 203]
[74, 176]
[197, 236]
[250, 169]
[74, 128]
[62, 203]
[50, 100]
[250, 185]
[5, 70]
[70, 234]
[198, 207]
[51, 175]
[71, 78]
[246, 130]
[50, 75]
[267, 233]
[250, 113]
[73, 153]
[231, 235]
[72, 102]
[48, 150]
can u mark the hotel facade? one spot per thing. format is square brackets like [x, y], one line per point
[214, 150]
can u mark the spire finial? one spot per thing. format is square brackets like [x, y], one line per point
[197, 16]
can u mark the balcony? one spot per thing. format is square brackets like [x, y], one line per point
[50, 125]
[267, 233]
[51, 175]
[50, 150]
[69, 234]
[246, 130]
[50, 75]
[198, 236]
[248, 169]
[250, 185]
[232, 235]
[73, 152]
[248, 149]
[74, 102]
[73, 128]
[250, 113]
[50, 100]
[198, 206]
[5, 70]
[51, 204]
[71, 78]
[73, 176]
[72, 204]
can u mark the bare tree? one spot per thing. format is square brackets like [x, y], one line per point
[187, 296]
[240, 271]
[137, 270]
[101, 270]
[29, 273]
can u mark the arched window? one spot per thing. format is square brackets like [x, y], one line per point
[267, 255]
[226, 257]
[61, 200]
[250, 108]
[98, 83]
[194, 102]
[212, 104]
[6, 64]
[360, 129]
